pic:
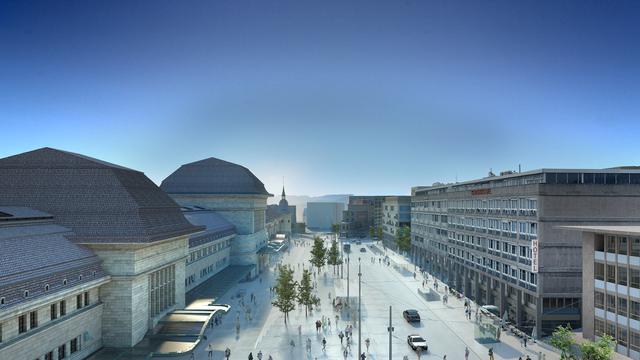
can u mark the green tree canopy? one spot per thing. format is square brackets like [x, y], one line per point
[333, 256]
[335, 228]
[285, 291]
[562, 339]
[379, 232]
[403, 238]
[599, 350]
[305, 293]
[318, 253]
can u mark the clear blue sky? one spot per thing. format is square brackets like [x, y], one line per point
[365, 97]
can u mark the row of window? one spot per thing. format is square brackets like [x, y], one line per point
[209, 250]
[30, 321]
[162, 290]
[620, 275]
[592, 178]
[506, 269]
[512, 226]
[26, 293]
[621, 245]
[622, 335]
[481, 204]
[74, 346]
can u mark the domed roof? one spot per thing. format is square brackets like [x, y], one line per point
[213, 176]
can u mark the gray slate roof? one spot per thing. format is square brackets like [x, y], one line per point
[213, 176]
[99, 201]
[216, 226]
[37, 252]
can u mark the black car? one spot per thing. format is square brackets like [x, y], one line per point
[411, 315]
[363, 249]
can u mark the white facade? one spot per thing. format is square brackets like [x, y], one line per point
[322, 215]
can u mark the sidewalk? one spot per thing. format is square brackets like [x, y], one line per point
[455, 316]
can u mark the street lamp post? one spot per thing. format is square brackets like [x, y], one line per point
[347, 279]
[359, 308]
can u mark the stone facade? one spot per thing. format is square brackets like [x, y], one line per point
[80, 324]
[126, 316]
[207, 260]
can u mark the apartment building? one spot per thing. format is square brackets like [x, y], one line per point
[499, 239]
[396, 213]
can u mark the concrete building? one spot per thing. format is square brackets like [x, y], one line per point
[363, 213]
[322, 215]
[119, 215]
[396, 214]
[50, 304]
[498, 240]
[209, 250]
[611, 284]
[233, 192]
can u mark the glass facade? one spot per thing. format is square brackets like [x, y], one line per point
[162, 290]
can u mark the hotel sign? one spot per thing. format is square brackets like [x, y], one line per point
[534, 256]
[481, 192]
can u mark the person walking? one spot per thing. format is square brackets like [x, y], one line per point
[524, 341]
[270, 357]
[324, 344]
[260, 355]
[227, 353]
[308, 345]
[491, 354]
[210, 351]
[466, 353]
[250, 356]
[444, 357]
[345, 353]
[341, 336]
[367, 342]
[363, 356]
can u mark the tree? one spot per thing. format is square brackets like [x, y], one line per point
[372, 232]
[318, 253]
[379, 232]
[599, 350]
[335, 228]
[403, 238]
[562, 339]
[305, 293]
[333, 256]
[285, 291]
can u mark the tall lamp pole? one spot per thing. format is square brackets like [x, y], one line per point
[390, 330]
[347, 279]
[359, 308]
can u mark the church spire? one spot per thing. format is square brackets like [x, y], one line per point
[284, 196]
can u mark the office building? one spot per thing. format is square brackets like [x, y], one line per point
[498, 239]
[363, 214]
[396, 214]
[611, 284]
[321, 216]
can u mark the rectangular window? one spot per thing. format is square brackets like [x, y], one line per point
[599, 300]
[623, 244]
[611, 303]
[22, 324]
[622, 275]
[622, 306]
[73, 346]
[33, 319]
[634, 310]
[622, 336]
[54, 311]
[599, 271]
[162, 290]
[48, 356]
[62, 351]
[599, 327]
[611, 274]
[634, 275]
[611, 244]
[635, 246]
[86, 298]
[634, 341]
[599, 242]
[63, 308]
[79, 301]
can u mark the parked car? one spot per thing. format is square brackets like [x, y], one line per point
[363, 249]
[358, 242]
[417, 342]
[411, 315]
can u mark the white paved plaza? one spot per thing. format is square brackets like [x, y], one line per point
[445, 327]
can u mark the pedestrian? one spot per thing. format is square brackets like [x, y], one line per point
[491, 354]
[260, 355]
[444, 357]
[363, 356]
[324, 344]
[345, 353]
[341, 336]
[308, 345]
[299, 330]
[367, 342]
[193, 356]
[528, 358]
[270, 357]
[292, 344]
[524, 341]
[210, 351]
[406, 357]
[250, 356]
[466, 353]
[337, 317]
[227, 353]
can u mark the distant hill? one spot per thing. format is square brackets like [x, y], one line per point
[300, 201]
